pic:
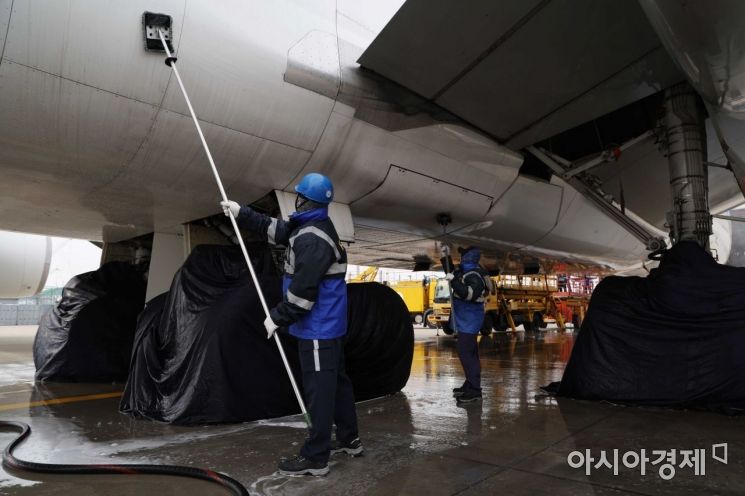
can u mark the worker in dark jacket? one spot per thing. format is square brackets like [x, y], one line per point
[469, 294]
[315, 309]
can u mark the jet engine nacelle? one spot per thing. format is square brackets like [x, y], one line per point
[24, 263]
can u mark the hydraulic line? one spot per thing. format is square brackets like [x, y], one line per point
[11, 462]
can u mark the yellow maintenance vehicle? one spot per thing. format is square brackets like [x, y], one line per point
[367, 275]
[418, 296]
[529, 300]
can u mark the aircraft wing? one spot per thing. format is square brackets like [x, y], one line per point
[523, 71]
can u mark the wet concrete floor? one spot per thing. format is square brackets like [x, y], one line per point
[418, 442]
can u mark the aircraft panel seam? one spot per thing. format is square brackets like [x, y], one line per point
[146, 138]
[506, 190]
[331, 111]
[5, 41]
[490, 49]
[581, 94]
[373, 244]
[9, 61]
[427, 147]
[433, 237]
[407, 139]
[558, 217]
[390, 168]
[354, 21]
[556, 222]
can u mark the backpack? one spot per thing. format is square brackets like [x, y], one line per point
[488, 285]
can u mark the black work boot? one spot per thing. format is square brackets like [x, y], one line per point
[299, 465]
[353, 447]
[459, 390]
[468, 397]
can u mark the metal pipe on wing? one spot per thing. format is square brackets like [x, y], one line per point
[729, 217]
[632, 223]
[605, 156]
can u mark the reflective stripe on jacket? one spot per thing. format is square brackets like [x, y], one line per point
[469, 294]
[315, 293]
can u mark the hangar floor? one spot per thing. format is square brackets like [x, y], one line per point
[418, 442]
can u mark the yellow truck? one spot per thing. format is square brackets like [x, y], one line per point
[519, 299]
[418, 296]
[367, 275]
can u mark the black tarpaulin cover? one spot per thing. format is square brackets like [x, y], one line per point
[379, 345]
[674, 338]
[201, 354]
[87, 336]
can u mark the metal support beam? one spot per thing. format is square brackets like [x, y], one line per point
[168, 255]
[729, 217]
[606, 156]
[720, 166]
[635, 225]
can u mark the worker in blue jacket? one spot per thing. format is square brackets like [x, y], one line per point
[469, 292]
[315, 309]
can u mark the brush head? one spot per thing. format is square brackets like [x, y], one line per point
[152, 24]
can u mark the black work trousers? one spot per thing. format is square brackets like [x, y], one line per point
[329, 396]
[468, 351]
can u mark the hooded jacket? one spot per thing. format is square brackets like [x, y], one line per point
[469, 293]
[314, 305]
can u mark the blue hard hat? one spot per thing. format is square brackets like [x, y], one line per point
[316, 187]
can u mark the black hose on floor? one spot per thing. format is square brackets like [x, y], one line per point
[10, 461]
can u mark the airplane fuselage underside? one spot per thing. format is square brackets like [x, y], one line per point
[96, 141]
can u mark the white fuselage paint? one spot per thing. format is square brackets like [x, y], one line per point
[96, 141]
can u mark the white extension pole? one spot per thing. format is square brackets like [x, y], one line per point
[172, 64]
